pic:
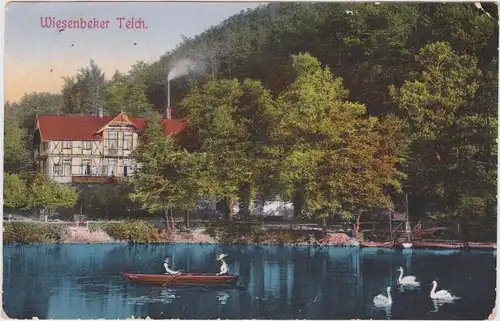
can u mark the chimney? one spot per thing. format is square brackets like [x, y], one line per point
[169, 110]
[101, 112]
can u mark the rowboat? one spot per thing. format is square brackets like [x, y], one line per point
[407, 245]
[489, 246]
[433, 245]
[182, 279]
[376, 244]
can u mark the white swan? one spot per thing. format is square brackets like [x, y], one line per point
[409, 280]
[382, 300]
[441, 295]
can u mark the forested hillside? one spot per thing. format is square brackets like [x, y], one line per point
[426, 73]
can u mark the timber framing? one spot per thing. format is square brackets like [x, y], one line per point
[90, 149]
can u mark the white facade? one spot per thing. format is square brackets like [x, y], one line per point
[109, 156]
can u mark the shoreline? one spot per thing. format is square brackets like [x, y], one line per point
[490, 246]
[129, 233]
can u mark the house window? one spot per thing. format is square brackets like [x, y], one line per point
[67, 167]
[86, 167]
[57, 170]
[87, 145]
[111, 167]
[77, 148]
[127, 140]
[113, 140]
[125, 168]
[67, 144]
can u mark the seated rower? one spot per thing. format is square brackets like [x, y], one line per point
[223, 269]
[166, 264]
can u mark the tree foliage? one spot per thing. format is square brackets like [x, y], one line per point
[333, 157]
[48, 196]
[449, 133]
[168, 177]
[15, 192]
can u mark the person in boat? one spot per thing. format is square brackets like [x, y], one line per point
[223, 268]
[166, 264]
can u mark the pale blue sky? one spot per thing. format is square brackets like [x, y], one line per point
[36, 58]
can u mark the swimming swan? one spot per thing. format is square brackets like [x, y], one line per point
[441, 295]
[407, 280]
[382, 300]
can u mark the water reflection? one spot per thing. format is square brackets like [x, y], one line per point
[284, 282]
[386, 310]
[222, 296]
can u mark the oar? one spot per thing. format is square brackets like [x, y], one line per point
[166, 283]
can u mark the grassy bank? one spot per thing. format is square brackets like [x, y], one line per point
[135, 231]
[39, 232]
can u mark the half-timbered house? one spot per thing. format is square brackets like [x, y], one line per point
[90, 149]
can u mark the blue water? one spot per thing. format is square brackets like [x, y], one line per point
[284, 282]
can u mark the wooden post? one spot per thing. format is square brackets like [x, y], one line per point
[408, 228]
[173, 220]
[390, 223]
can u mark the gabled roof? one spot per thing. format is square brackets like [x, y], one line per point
[119, 119]
[65, 127]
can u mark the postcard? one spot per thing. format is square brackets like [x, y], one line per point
[250, 160]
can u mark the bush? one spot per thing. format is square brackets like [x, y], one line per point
[211, 231]
[95, 226]
[134, 231]
[29, 232]
[84, 236]
[258, 234]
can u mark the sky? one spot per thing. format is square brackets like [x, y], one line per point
[37, 58]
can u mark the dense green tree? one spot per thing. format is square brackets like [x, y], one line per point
[84, 93]
[448, 133]
[168, 176]
[19, 124]
[48, 195]
[127, 93]
[335, 159]
[107, 200]
[16, 155]
[15, 192]
[226, 124]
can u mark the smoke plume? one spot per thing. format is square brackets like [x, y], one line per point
[185, 67]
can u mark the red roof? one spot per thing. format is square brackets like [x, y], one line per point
[64, 127]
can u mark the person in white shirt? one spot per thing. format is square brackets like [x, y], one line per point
[224, 268]
[166, 264]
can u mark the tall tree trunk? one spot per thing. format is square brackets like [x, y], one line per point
[298, 200]
[245, 195]
[166, 220]
[356, 227]
[228, 207]
[465, 224]
[186, 217]
[323, 227]
[173, 220]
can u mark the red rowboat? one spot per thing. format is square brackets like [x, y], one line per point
[182, 279]
[376, 244]
[433, 245]
[490, 246]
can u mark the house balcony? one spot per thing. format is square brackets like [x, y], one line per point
[90, 179]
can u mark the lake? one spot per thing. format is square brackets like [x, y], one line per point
[73, 281]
